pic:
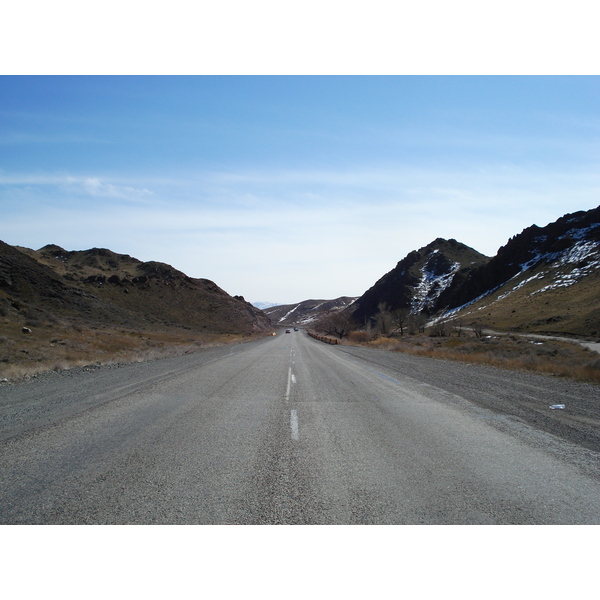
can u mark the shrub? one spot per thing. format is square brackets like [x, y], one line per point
[561, 359]
[359, 337]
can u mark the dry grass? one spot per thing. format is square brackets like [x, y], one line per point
[60, 346]
[568, 311]
[562, 359]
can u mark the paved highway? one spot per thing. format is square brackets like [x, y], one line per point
[289, 430]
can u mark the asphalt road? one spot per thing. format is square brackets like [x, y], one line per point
[289, 430]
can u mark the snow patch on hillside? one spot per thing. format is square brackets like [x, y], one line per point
[586, 255]
[430, 287]
[519, 285]
[288, 314]
[565, 269]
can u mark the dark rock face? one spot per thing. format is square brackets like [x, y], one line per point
[419, 279]
[525, 250]
[446, 274]
[438, 265]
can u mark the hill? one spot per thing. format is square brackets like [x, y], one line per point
[419, 279]
[151, 292]
[544, 280]
[89, 296]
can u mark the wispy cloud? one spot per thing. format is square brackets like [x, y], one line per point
[95, 187]
[69, 186]
[311, 232]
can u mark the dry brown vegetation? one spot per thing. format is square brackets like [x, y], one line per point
[557, 358]
[58, 346]
[571, 311]
[60, 310]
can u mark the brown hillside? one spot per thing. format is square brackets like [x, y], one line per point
[152, 292]
[92, 305]
[532, 303]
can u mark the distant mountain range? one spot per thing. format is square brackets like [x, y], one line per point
[263, 305]
[306, 313]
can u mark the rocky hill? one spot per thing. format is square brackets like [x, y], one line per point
[544, 280]
[307, 312]
[419, 279]
[80, 305]
[117, 288]
[571, 242]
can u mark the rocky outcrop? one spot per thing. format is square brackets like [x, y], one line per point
[101, 286]
[419, 280]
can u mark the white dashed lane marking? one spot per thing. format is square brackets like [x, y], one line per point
[294, 424]
[289, 383]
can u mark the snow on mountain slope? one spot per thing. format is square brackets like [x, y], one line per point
[306, 312]
[420, 279]
[431, 285]
[555, 287]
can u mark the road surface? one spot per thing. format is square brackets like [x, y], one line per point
[289, 430]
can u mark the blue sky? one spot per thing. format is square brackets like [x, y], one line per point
[285, 188]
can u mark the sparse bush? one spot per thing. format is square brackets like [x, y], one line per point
[477, 328]
[595, 364]
[457, 327]
[335, 323]
[416, 323]
[359, 337]
[560, 359]
[438, 330]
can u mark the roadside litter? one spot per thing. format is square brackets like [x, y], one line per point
[555, 406]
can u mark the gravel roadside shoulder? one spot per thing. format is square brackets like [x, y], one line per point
[522, 396]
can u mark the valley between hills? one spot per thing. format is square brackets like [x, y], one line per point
[61, 309]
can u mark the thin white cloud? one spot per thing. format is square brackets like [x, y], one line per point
[95, 187]
[69, 185]
[289, 235]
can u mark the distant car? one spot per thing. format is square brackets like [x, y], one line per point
[295, 329]
[288, 331]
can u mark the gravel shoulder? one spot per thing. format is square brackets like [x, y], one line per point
[46, 399]
[517, 395]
